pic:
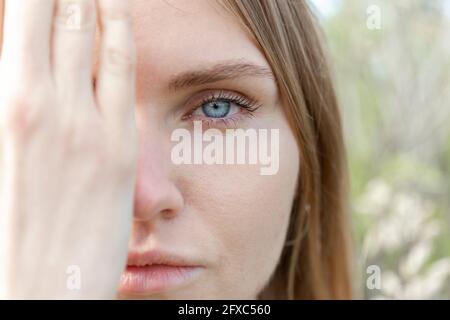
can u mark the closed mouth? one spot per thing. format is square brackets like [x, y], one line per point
[154, 271]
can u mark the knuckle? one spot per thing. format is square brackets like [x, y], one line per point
[75, 14]
[113, 10]
[70, 137]
[22, 117]
[120, 61]
[80, 138]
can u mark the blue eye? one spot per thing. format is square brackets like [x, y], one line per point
[216, 109]
[223, 106]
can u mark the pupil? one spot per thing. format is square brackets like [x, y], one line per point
[217, 109]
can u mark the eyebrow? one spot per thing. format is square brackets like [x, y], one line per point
[222, 71]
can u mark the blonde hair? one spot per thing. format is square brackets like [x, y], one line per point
[315, 260]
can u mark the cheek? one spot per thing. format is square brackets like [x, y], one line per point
[246, 213]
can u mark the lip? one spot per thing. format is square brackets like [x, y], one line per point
[155, 271]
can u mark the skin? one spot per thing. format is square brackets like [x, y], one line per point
[227, 218]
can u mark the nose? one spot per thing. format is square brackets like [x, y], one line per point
[156, 194]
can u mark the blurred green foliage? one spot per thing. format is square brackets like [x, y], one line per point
[393, 84]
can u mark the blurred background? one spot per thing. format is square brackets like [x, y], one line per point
[391, 61]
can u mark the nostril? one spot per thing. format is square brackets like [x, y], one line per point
[150, 203]
[168, 214]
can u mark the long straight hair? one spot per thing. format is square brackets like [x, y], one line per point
[315, 261]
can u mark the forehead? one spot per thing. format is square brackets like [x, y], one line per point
[176, 35]
[195, 29]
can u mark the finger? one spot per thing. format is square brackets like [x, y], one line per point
[27, 29]
[73, 43]
[115, 86]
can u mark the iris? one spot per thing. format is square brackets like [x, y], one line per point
[216, 109]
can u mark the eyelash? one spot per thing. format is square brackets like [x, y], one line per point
[248, 106]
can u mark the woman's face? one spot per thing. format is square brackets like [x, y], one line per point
[229, 220]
